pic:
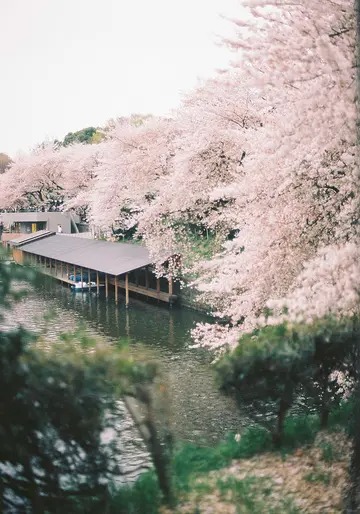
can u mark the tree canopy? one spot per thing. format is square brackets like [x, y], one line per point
[89, 135]
[262, 157]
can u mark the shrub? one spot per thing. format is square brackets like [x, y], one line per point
[272, 368]
[144, 497]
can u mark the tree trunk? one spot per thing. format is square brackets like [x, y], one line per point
[278, 434]
[324, 417]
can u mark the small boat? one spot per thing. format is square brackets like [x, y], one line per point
[83, 286]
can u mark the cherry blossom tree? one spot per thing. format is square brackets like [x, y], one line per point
[135, 160]
[298, 192]
[34, 179]
[50, 177]
[265, 151]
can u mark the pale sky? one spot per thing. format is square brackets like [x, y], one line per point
[69, 64]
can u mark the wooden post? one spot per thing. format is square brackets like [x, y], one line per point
[158, 286]
[89, 278]
[67, 270]
[127, 323]
[81, 276]
[170, 284]
[74, 273]
[116, 290]
[97, 282]
[61, 269]
[127, 290]
[106, 286]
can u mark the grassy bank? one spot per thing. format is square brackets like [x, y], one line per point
[248, 474]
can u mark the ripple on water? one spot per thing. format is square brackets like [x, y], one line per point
[198, 412]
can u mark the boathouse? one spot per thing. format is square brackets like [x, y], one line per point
[113, 266]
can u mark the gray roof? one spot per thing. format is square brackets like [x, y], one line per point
[33, 236]
[112, 258]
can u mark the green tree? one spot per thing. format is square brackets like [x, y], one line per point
[89, 135]
[276, 367]
[55, 406]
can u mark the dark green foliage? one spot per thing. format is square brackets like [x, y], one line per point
[55, 406]
[299, 430]
[143, 498]
[285, 367]
[191, 461]
[81, 136]
[265, 370]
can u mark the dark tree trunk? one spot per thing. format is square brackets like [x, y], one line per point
[324, 418]
[279, 431]
[159, 447]
[325, 401]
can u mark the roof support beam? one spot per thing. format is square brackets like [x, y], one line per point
[127, 290]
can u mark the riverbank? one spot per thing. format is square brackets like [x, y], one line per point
[247, 473]
[309, 480]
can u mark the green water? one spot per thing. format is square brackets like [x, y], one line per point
[197, 410]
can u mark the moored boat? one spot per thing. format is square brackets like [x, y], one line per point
[83, 286]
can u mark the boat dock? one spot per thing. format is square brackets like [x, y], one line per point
[116, 267]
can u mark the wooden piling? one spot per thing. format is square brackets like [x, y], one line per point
[116, 289]
[158, 285]
[127, 290]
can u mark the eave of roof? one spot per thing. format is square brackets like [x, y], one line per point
[33, 236]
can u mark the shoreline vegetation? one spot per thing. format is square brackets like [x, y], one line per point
[246, 473]
[248, 191]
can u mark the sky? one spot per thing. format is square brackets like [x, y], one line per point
[70, 64]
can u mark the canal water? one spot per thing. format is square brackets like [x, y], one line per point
[197, 411]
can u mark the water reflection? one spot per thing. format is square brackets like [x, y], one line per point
[198, 411]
